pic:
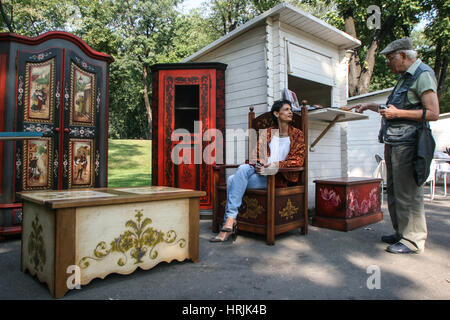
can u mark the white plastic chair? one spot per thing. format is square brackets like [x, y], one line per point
[444, 168]
[432, 179]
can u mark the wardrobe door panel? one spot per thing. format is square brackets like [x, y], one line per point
[82, 123]
[38, 110]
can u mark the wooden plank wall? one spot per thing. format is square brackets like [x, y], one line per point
[362, 139]
[257, 75]
[246, 83]
[327, 159]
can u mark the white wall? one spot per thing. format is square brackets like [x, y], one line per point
[300, 43]
[257, 75]
[245, 79]
[304, 53]
[362, 137]
[441, 134]
[441, 131]
[326, 160]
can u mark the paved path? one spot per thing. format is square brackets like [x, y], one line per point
[325, 264]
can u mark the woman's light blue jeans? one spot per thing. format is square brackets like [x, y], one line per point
[245, 177]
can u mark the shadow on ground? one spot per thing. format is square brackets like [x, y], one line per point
[324, 264]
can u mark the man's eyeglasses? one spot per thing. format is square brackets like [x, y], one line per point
[391, 56]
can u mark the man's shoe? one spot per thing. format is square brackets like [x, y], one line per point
[393, 238]
[399, 248]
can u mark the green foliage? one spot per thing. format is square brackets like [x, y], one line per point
[398, 19]
[192, 32]
[382, 77]
[33, 17]
[226, 15]
[139, 33]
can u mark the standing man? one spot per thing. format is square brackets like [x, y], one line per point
[415, 90]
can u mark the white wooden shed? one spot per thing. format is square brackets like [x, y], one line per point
[286, 47]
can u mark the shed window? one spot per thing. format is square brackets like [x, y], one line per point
[313, 92]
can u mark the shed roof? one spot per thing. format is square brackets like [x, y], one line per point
[373, 93]
[294, 17]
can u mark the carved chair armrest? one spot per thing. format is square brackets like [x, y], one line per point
[295, 169]
[279, 170]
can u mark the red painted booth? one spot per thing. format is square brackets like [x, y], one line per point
[56, 85]
[188, 105]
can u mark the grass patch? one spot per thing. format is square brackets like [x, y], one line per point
[129, 163]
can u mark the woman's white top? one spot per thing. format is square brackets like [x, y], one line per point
[279, 148]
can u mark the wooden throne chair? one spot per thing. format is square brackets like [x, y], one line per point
[272, 211]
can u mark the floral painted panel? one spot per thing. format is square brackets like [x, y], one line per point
[81, 168]
[39, 81]
[362, 202]
[330, 201]
[37, 171]
[82, 97]
[331, 196]
[348, 202]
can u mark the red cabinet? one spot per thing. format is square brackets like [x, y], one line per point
[54, 84]
[188, 106]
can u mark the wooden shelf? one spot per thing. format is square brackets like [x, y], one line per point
[332, 116]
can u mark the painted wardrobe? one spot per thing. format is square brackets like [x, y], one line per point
[57, 85]
[188, 105]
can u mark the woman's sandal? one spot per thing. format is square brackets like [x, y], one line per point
[231, 234]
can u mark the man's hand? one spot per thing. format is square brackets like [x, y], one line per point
[391, 112]
[429, 100]
[361, 107]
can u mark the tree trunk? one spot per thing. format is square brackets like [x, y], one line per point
[5, 18]
[442, 76]
[148, 106]
[359, 77]
[354, 70]
[367, 71]
[437, 62]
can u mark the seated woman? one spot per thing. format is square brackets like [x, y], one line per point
[281, 146]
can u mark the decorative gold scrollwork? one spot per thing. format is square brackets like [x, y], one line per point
[289, 211]
[36, 248]
[253, 210]
[140, 239]
[249, 209]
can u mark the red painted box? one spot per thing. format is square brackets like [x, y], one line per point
[345, 204]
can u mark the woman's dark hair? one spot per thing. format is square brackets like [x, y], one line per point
[276, 107]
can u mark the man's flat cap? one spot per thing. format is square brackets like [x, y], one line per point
[400, 44]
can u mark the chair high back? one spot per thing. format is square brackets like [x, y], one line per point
[265, 121]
